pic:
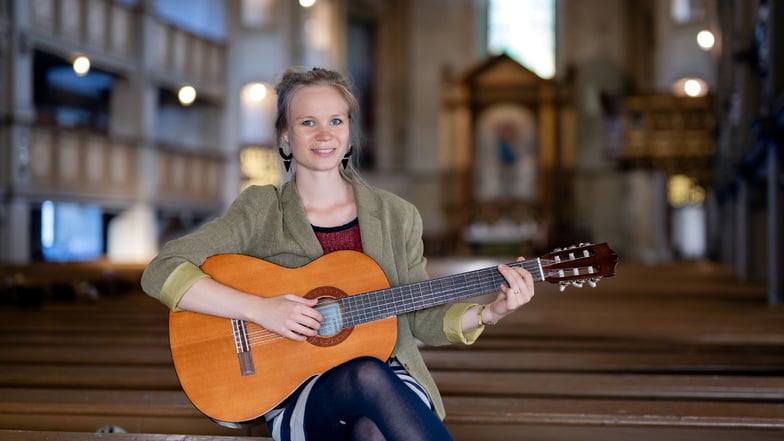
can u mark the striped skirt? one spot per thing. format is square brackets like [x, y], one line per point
[286, 423]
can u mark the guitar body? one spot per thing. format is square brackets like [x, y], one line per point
[233, 380]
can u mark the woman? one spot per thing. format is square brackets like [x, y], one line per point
[326, 207]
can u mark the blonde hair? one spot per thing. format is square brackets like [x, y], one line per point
[295, 79]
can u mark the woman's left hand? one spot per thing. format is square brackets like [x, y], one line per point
[516, 292]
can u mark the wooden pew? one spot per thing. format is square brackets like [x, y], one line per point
[51, 375]
[589, 412]
[85, 410]
[587, 360]
[694, 386]
[762, 389]
[466, 392]
[17, 435]
[170, 412]
[536, 375]
[612, 432]
[600, 399]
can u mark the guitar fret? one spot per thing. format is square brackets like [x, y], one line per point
[448, 286]
[436, 286]
[360, 312]
[417, 300]
[386, 304]
[376, 305]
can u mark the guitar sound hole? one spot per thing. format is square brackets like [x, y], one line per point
[332, 330]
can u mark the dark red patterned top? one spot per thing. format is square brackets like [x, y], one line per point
[344, 237]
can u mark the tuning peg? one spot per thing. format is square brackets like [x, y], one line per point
[577, 283]
[592, 283]
[562, 286]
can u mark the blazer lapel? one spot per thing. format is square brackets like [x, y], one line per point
[371, 227]
[296, 222]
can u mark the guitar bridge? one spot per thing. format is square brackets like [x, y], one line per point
[242, 345]
[246, 363]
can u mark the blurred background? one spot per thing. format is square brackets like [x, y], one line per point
[515, 126]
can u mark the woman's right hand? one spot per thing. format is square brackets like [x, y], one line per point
[290, 316]
[287, 315]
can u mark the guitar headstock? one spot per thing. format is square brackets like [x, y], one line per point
[577, 265]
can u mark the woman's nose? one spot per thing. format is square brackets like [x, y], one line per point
[323, 133]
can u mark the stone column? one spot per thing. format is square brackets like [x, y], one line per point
[16, 115]
[131, 235]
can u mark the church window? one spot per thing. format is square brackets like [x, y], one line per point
[524, 30]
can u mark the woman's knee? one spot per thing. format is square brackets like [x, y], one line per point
[368, 372]
[369, 367]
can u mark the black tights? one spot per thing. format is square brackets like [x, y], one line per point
[364, 400]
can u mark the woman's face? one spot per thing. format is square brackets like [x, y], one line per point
[318, 129]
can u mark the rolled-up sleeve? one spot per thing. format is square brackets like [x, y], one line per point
[178, 283]
[176, 267]
[453, 325]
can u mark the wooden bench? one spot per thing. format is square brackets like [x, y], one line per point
[557, 375]
[17, 435]
[618, 386]
[491, 373]
[588, 360]
[89, 376]
[694, 386]
[36, 284]
[87, 410]
[610, 432]
[589, 412]
[493, 416]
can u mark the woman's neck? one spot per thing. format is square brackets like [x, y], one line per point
[327, 198]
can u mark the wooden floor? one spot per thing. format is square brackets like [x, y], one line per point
[672, 352]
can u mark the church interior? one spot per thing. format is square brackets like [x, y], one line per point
[647, 132]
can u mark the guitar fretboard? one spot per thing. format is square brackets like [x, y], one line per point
[377, 305]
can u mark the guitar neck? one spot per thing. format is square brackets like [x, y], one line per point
[384, 303]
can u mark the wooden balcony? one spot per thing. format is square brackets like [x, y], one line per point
[675, 134]
[81, 162]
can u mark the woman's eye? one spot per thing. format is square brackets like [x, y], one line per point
[337, 121]
[307, 123]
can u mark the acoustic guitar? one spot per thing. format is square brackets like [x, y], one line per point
[234, 371]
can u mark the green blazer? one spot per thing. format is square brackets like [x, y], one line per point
[270, 223]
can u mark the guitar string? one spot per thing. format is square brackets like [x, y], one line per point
[374, 312]
[263, 336]
[482, 278]
[486, 278]
[437, 289]
[360, 309]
